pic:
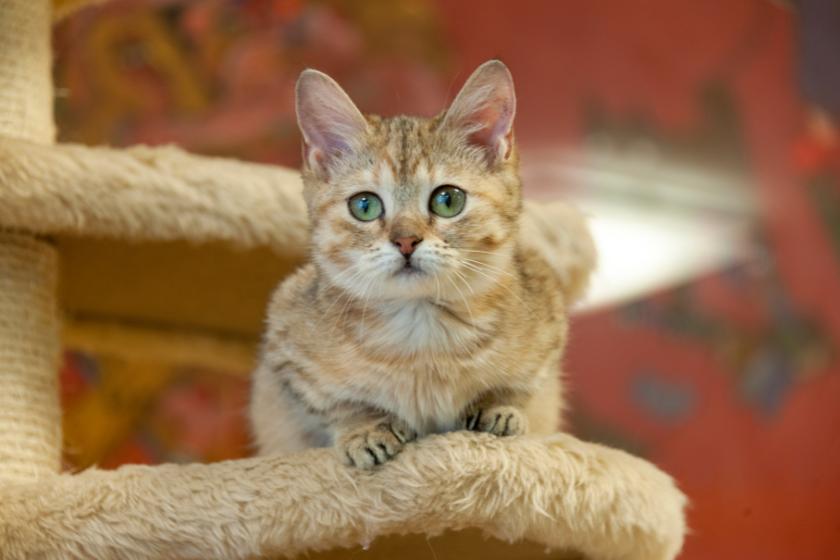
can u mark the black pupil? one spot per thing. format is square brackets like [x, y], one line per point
[445, 198]
[364, 204]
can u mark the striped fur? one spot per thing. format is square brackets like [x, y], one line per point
[365, 354]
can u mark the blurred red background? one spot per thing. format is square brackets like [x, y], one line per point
[730, 382]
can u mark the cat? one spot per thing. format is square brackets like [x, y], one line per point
[422, 309]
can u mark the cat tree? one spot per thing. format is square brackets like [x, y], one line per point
[67, 204]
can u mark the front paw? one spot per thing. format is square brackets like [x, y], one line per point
[373, 444]
[496, 420]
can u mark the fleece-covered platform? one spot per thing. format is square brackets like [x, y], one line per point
[557, 491]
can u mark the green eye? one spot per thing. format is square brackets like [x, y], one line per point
[447, 201]
[366, 206]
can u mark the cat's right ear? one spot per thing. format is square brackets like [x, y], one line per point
[483, 110]
[331, 124]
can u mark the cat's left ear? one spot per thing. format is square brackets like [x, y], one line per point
[331, 124]
[484, 110]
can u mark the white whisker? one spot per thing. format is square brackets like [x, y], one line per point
[475, 269]
[463, 277]
[343, 291]
[472, 319]
[499, 270]
[463, 250]
[364, 310]
[349, 300]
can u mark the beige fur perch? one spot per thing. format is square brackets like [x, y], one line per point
[163, 194]
[557, 491]
[149, 194]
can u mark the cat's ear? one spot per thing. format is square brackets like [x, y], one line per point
[484, 110]
[331, 124]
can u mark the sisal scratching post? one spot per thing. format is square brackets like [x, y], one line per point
[26, 94]
[30, 417]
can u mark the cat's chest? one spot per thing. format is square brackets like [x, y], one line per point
[417, 327]
[420, 361]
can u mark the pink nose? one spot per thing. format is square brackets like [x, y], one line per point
[406, 244]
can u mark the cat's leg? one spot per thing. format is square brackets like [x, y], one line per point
[494, 415]
[544, 409]
[372, 439]
[279, 422]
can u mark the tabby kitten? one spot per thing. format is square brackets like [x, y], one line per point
[422, 310]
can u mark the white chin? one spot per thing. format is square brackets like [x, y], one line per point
[410, 274]
[411, 282]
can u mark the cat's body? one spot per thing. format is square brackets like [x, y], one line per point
[413, 321]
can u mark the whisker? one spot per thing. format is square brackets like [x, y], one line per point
[466, 280]
[465, 250]
[499, 270]
[472, 319]
[364, 310]
[475, 251]
[343, 291]
[340, 314]
[323, 288]
[475, 269]
[349, 299]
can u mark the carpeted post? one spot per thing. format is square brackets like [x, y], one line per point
[26, 94]
[30, 417]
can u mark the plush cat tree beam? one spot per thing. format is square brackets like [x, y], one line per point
[165, 194]
[150, 194]
[558, 491]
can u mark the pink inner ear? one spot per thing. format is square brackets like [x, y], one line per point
[327, 129]
[330, 122]
[484, 109]
[312, 156]
[495, 118]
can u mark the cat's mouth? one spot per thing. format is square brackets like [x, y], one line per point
[407, 270]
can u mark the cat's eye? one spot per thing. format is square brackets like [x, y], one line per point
[447, 201]
[366, 206]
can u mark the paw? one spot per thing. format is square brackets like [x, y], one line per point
[374, 444]
[496, 420]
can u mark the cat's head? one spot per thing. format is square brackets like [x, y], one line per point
[409, 207]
